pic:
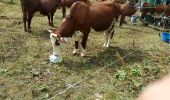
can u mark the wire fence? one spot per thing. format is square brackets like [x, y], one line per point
[83, 79]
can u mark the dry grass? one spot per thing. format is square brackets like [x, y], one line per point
[26, 73]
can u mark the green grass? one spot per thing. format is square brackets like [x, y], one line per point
[26, 73]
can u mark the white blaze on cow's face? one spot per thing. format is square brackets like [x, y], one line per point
[58, 44]
[56, 47]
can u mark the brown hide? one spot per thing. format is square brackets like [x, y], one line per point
[99, 15]
[85, 15]
[45, 7]
[93, 15]
[126, 10]
[122, 18]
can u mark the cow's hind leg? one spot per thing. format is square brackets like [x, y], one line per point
[109, 34]
[49, 19]
[29, 22]
[25, 22]
[106, 38]
[52, 14]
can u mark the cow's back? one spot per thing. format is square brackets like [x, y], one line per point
[68, 3]
[43, 6]
[46, 6]
[102, 14]
[96, 15]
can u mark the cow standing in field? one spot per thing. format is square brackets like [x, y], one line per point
[84, 16]
[68, 3]
[45, 7]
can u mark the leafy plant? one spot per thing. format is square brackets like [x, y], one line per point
[135, 71]
[121, 75]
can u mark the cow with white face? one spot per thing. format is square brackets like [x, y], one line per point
[58, 43]
[84, 16]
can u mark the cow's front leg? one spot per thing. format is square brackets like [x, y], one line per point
[84, 41]
[77, 37]
[75, 51]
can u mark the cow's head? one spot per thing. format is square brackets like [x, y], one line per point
[60, 37]
[58, 43]
[128, 10]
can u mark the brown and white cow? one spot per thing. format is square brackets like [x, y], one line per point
[82, 17]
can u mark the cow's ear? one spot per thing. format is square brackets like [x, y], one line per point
[50, 31]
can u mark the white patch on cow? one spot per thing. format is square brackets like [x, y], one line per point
[56, 50]
[77, 36]
[108, 43]
[63, 20]
[107, 40]
[105, 43]
[108, 34]
[83, 52]
[75, 51]
[50, 31]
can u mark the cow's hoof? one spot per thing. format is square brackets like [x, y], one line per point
[25, 30]
[75, 51]
[29, 30]
[83, 52]
[82, 55]
[104, 45]
[107, 46]
[120, 27]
